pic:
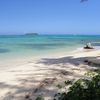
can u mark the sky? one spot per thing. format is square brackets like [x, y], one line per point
[49, 16]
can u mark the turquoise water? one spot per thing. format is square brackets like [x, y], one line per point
[24, 45]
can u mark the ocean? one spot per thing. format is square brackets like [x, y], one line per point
[24, 46]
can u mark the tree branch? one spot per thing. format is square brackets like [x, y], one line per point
[83, 1]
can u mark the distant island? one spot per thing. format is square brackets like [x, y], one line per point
[32, 34]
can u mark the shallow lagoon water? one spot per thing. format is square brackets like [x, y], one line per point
[19, 46]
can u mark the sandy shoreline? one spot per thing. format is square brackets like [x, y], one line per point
[40, 76]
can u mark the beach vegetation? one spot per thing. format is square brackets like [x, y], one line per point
[83, 89]
[39, 98]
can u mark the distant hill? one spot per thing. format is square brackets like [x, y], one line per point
[31, 34]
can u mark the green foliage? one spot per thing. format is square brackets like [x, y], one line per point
[90, 73]
[39, 98]
[68, 82]
[83, 89]
[59, 86]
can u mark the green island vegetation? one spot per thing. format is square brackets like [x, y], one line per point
[34, 34]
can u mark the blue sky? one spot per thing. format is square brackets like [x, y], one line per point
[49, 16]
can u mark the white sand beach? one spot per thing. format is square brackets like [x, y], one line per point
[49, 49]
[40, 76]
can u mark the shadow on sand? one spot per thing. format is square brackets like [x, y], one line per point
[23, 89]
[65, 60]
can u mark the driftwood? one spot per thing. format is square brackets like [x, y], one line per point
[88, 46]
